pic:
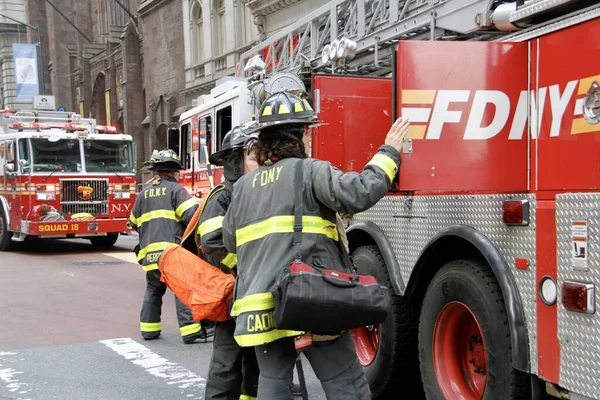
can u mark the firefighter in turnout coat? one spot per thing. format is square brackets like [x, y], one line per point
[258, 228]
[233, 371]
[160, 214]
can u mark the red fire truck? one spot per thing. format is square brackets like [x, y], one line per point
[490, 234]
[63, 176]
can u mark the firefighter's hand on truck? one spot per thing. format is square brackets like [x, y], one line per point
[397, 133]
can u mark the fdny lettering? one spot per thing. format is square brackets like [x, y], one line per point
[155, 192]
[267, 176]
[490, 112]
[260, 322]
[58, 228]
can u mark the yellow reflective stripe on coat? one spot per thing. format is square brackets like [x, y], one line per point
[154, 247]
[150, 267]
[167, 214]
[253, 302]
[186, 205]
[210, 225]
[387, 164]
[256, 339]
[285, 224]
[246, 397]
[189, 329]
[230, 260]
[133, 219]
[150, 326]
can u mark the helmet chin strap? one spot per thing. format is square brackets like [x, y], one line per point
[233, 166]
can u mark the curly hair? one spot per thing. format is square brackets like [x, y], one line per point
[277, 143]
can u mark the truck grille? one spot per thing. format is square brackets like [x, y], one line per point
[84, 196]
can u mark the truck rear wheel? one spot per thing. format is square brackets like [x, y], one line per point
[388, 352]
[5, 234]
[105, 241]
[464, 337]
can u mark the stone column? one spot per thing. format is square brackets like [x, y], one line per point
[134, 109]
[60, 36]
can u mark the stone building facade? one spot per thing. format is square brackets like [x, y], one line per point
[119, 61]
[216, 32]
[13, 15]
[211, 53]
[162, 31]
[83, 58]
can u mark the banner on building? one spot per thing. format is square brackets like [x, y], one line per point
[26, 72]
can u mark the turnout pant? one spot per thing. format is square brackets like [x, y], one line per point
[233, 370]
[151, 309]
[334, 362]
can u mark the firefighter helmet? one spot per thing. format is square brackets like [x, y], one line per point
[286, 108]
[164, 160]
[238, 138]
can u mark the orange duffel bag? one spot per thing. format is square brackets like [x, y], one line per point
[204, 288]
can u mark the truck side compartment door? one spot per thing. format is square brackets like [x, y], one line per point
[358, 112]
[569, 89]
[468, 106]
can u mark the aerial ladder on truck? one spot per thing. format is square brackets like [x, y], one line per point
[529, 222]
[358, 36]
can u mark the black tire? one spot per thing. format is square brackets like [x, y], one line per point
[105, 241]
[474, 285]
[5, 234]
[394, 369]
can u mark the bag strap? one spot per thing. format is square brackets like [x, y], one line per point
[298, 204]
[194, 221]
[297, 241]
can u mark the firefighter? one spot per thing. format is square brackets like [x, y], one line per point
[233, 371]
[258, 227]
[160, 214]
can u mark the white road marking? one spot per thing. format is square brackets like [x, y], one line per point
[192, 385]
[9, 376]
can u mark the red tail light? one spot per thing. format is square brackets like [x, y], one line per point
[578, 297]
[515, 212]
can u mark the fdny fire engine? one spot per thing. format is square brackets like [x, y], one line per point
[490, 234]
[63, 176]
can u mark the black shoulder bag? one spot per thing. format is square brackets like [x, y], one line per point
[325, 300]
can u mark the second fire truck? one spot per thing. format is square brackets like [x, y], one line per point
[63, 176]
[489, 237]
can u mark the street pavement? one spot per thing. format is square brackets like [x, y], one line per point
[69, 329]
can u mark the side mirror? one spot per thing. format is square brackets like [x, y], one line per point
[10, 152]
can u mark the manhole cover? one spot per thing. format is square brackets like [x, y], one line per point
[98, 262]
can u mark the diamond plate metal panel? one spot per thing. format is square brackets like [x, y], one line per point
[579, 334]
[411, 222]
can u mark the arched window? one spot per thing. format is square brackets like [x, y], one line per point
[245, 22]
[196, 26]
[220, 27]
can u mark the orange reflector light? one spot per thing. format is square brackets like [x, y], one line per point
[20, 125]
[515, 212]
[75, 127]
[578, 297]
[106, 128]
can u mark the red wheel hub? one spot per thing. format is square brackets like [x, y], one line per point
[366, 342]
[459, 355]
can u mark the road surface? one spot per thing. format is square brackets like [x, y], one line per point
[69, 329]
